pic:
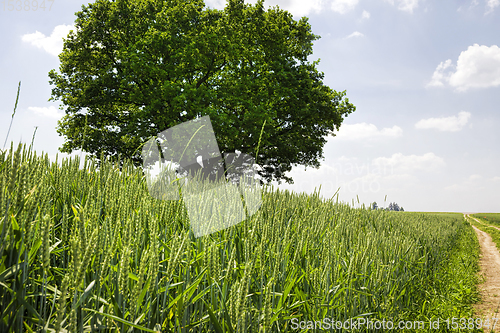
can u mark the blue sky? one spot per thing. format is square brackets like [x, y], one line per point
[424, 76]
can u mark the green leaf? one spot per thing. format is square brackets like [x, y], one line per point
[213, 318]
[123, 321]
[85, 294]
[11, 271]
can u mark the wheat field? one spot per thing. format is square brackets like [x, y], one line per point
[88, 249]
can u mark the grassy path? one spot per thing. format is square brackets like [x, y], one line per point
[490, 270]
[487, 225]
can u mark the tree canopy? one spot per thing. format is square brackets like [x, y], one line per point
[133, 68]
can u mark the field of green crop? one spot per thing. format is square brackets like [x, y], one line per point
[490, 218]
[89, 249]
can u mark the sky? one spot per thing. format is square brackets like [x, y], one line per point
[424, 77]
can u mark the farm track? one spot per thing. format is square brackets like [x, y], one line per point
[490, 269]
[490, 226]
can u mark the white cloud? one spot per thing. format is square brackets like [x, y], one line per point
[477, 67]
[475, 177]
[491, 4]
[457, 188]
[473, 182]
[52, 44]
[367, 177]
[496, 179]
[362, 131]
[50, 112]
[404, 164]
[408, 5]
[405, 5]
[365, 15]
[354, 34]
[343, 6]
[297, 7]
[440, 74]
[220, 4]
[445, 124]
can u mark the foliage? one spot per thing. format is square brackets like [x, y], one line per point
[392, 207]
[457, 279]
[86, 248]
[133, 68]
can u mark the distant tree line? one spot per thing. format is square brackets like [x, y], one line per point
[392, 207]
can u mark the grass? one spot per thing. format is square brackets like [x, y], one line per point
[90, 249]
[489, 218]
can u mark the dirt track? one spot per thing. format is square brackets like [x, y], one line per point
[489, 307]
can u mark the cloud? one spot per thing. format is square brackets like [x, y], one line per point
[52, 44]
[491, 4]
[363, 131]
[440, 74]
[343, 6]
[367, 176]
[365, 15]
[383, 173]
[457, 188]
[355, 34]
[477, 67]
[473, 182]
[445, 124]
[220, 4]
[475, 177]
[50, 112]
[404, 164]
[297, 7]
[405, 5]
[380, 183]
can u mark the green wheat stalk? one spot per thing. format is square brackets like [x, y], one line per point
[13, 113]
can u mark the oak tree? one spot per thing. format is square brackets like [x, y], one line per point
[133, 68]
